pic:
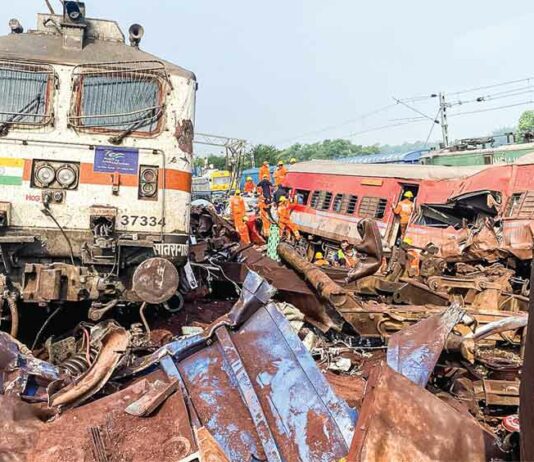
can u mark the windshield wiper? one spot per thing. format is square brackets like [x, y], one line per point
[4, 127]
[118, 139]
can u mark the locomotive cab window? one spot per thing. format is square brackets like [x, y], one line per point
[26, 93]
[119, 98]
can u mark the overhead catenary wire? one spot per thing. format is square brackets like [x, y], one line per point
[486, 87]
[342, 124]
[523, 103]
[525, 88]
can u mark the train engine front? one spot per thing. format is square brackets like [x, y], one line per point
[95, 168]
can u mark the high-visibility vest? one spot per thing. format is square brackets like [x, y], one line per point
[237, 205]
[249, 187]
[404, 209]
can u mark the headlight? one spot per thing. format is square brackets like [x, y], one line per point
[45, 174]
[148, 182]
[148, 176]
[66, 176]
[148, 189]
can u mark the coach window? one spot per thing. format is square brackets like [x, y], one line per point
[315, 199]
[26, 92]
[327, 200]
[351, 205]
[372, 207]
[338, 203]
[118, 99]
[302, 196]
[521, 205]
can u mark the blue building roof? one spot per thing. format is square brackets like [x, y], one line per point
[411, 157]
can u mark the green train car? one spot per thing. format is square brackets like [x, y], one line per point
[506, 154]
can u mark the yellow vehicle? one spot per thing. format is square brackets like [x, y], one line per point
[220, 181]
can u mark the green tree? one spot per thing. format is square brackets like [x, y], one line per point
[525, 125]
[264, 152]
[218, 162]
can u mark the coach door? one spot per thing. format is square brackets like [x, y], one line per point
[394, 235]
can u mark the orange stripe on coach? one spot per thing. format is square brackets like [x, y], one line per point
[174, 179]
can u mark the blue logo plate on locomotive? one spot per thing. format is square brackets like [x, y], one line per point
[116, 160]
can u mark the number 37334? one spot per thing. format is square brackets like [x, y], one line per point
[141, 220]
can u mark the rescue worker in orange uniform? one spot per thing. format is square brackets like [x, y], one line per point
[280, 174]
[265, 171]
[263, 208]
[320, 260]
[249, 186]
[413, 258]
[287, 227]
[238, 209]
[243, 231]
[404, 210]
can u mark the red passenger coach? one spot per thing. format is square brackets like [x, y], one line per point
[450, 213]
[334, 196]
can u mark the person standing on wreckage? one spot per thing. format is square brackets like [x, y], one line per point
[288, 228]
[404, 211]
[265, 188]
[238, 208]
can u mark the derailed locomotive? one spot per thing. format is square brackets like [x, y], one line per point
[95, 167]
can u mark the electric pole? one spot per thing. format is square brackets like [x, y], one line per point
[444, 124]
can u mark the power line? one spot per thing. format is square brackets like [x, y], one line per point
[486, 87]
[413, 109]
[492, 109]
[332, 127]
[382, 127]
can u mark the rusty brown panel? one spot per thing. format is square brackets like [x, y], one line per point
[165, 436]
[414, 351]
[292, 289]
[526, 414]
[184, 134]
[114, 347]
[402, 422]
[500, 392]
[371, 247]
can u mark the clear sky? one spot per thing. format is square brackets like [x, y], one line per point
[283, 71]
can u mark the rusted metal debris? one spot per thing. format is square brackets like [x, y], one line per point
[414, 352]
[401, 421]
[301, 382]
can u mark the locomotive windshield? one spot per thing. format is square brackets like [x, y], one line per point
[118, 100]
[24, 94]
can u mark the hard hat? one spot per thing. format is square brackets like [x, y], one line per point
[408, 194]
[265, 162]
[319, 256]
[280, 162]
[265, 177]
[408, 240]
[293, 161]
[237, 192]
[245, 219]
[282, 199]
[249, 178]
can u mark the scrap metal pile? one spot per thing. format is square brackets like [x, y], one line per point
[410, 357]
